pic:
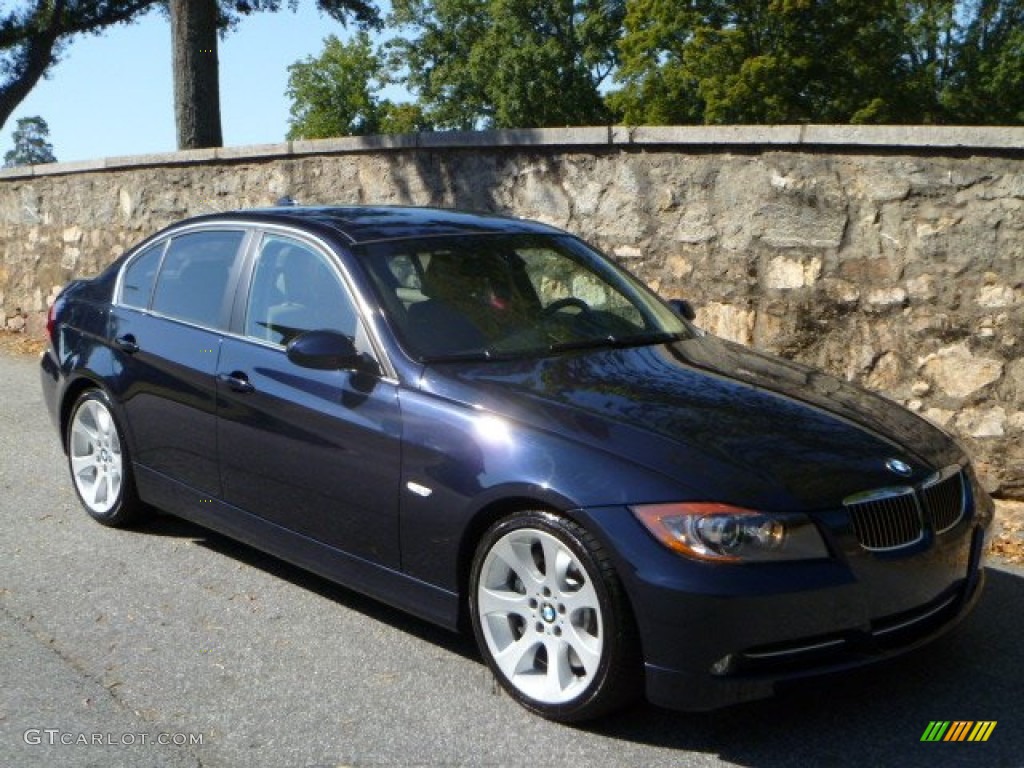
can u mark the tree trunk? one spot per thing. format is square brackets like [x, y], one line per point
[196, 73]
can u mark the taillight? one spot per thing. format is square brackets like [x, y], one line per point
[51, 319]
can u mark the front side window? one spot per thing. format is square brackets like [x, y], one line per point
[493, 296]
[295, 289]
[194, 278]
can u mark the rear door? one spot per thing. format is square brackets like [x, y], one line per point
[174, 305]
[316, 452]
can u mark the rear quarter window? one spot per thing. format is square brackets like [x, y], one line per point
[140, 276]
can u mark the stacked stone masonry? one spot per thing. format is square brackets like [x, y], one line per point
[890, 257]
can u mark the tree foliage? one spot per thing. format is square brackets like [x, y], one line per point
[825, 61]
[32, 146]
[33, 35]
[505, 63]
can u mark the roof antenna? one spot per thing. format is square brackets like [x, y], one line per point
[287, 201]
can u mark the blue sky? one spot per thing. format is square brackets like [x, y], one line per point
[111, 95]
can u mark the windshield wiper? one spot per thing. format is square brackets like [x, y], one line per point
[638, 340]
[474, 356]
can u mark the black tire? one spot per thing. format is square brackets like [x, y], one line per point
[540, 581]
[101, 470]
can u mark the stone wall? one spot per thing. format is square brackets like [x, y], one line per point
[890, 256]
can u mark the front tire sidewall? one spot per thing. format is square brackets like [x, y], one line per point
[596, 698]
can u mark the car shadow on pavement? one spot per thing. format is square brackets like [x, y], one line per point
[875, 716]
[167, 525]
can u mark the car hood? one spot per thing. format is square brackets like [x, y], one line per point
[725, 422]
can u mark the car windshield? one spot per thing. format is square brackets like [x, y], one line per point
[498, 296]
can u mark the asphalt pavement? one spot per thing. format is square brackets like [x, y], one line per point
[172, 646]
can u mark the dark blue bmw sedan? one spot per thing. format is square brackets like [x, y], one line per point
[485, 422]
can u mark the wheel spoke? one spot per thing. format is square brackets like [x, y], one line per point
[560, 675]
[98, 488]
[81, 463]
[554, 557]
[584, 597]
[502, 602]
[519, 657]
[586, 646]
[516, 557]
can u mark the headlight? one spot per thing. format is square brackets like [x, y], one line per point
[723, 533]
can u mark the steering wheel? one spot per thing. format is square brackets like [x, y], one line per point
[567, 301]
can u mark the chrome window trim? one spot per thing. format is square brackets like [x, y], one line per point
[254, 232]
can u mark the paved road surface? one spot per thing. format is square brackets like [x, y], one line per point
[174, 634]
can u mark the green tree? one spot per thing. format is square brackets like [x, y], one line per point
[838, 61]
[506, 63]
[987, 86]
[764, 61]
[335, 93]
[31, 143]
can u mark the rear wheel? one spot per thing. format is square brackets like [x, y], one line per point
[98, 460]
[551, 618]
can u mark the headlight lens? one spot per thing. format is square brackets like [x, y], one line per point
[723, 533]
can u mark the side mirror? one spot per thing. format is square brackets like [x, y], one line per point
[325, 351]
[683, 308]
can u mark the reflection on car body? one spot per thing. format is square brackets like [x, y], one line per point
[485, 422]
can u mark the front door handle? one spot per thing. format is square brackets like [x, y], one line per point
[127, 343]
[236, 380]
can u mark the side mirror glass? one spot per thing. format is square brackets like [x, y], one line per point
[325, 351]
[683, 308]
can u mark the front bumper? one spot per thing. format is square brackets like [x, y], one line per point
[718, 634]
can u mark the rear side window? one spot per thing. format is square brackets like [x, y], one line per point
[194, 279]
[139, 277]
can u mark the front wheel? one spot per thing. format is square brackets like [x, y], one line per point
[99, 464]
[551, 618]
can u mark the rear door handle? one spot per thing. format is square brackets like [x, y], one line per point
[127, 343]
[236, 380]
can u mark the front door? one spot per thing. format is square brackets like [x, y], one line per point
[316, 452]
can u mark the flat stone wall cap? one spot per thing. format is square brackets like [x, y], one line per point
[56, 169]
[185, 157]
[939, 136]
[253, 151]
[517, 137]
[343, 144]
[19, 172]
[707, 134]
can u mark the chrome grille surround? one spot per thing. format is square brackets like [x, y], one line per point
[945, 498]
[895, 517]
[888, 518]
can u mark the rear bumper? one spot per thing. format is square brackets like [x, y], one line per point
[50, 379]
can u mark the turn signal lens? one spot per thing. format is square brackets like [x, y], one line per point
[723, 533]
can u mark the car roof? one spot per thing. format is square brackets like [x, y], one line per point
[364, 224]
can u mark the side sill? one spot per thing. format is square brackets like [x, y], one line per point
[436, 605]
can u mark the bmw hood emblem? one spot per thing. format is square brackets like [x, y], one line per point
[898, 467]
